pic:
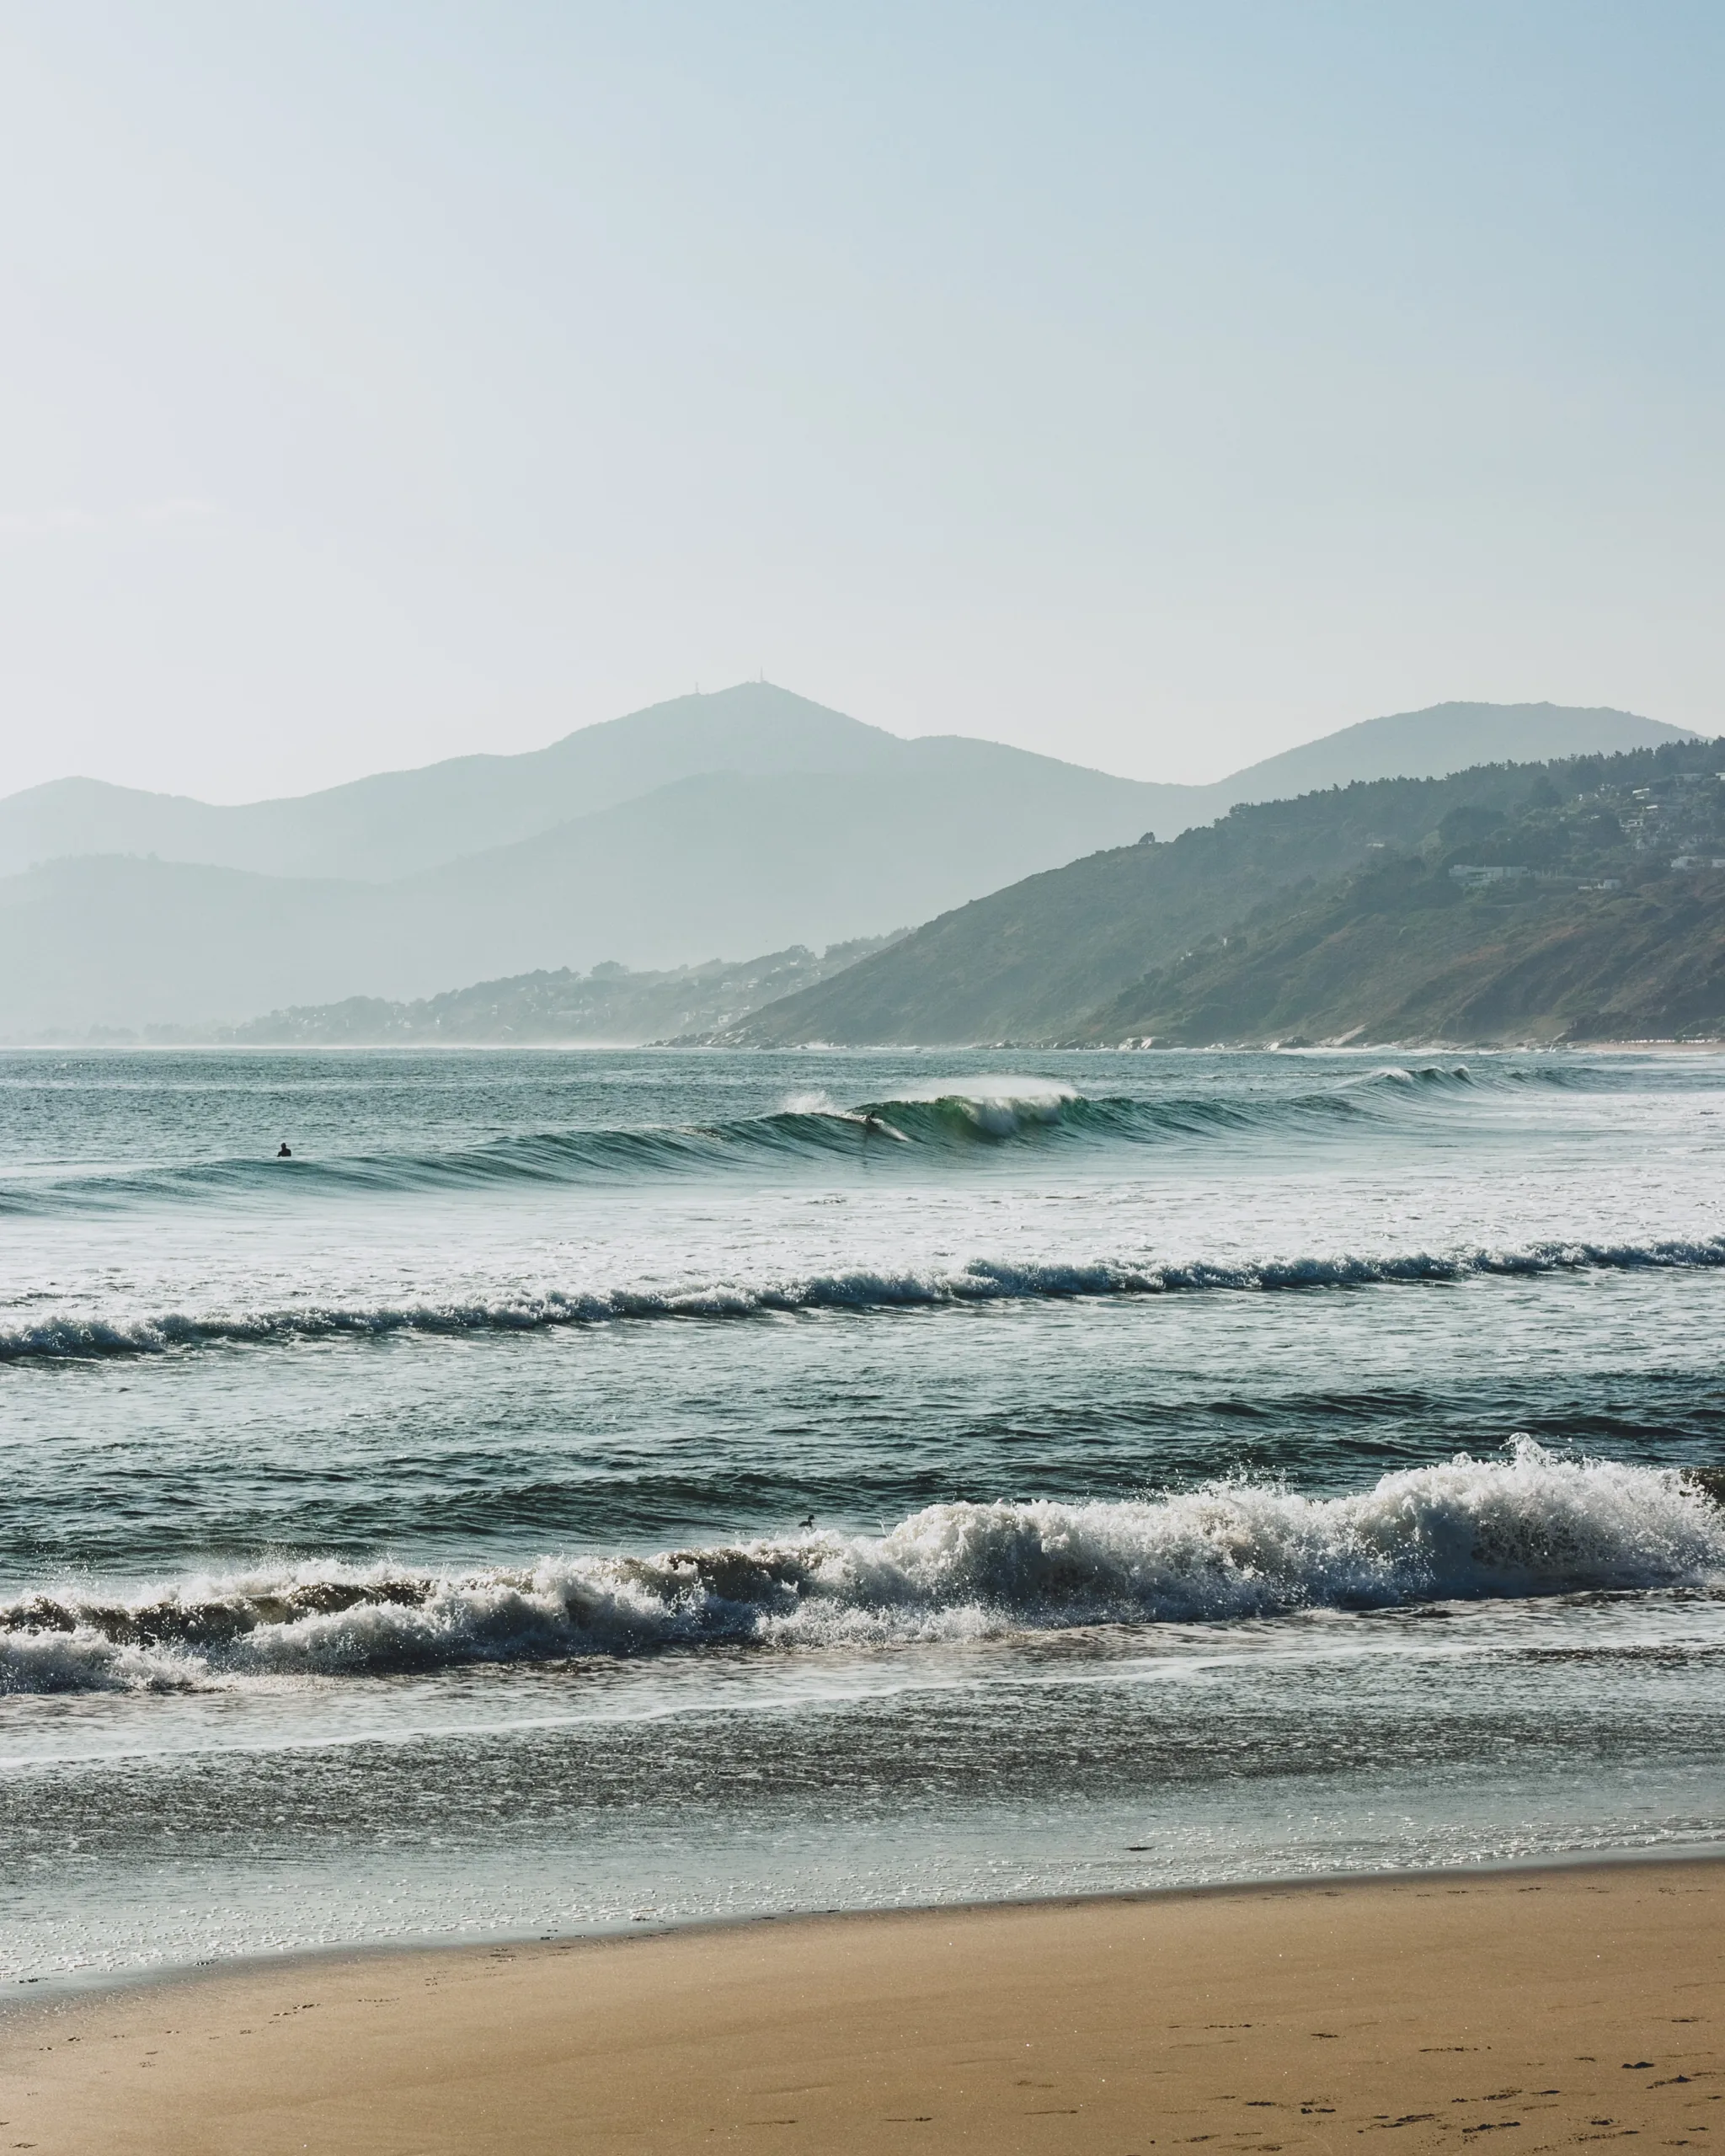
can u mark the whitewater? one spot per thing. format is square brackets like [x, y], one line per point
[586, 1488]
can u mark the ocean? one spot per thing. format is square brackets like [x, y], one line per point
[586, 1489]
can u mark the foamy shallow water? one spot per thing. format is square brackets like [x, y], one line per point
[601, 1488]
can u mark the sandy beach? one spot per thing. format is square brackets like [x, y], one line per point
[1556, 2007]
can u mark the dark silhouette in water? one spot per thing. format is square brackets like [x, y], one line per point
[808, 1521]
[284, 1151]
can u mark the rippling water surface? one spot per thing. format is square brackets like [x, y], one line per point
[586, 1488]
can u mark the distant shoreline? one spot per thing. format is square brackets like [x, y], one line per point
[1709, 1043]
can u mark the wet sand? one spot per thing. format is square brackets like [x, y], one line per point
[1522, 2010]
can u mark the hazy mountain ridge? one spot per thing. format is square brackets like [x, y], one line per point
[717, 860]
[1441, 739]
[721, 862]
[1044, 959]
[396, 824]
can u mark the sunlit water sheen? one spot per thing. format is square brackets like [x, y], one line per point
[1216, 1466]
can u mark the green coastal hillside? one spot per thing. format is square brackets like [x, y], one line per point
[1405, 953]
[1060, 956]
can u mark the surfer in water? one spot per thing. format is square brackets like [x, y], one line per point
[284, 1151]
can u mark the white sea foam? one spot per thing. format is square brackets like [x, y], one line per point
[1016, 1089]
[815, 1101]
[82, 1333]
[1533, 1522]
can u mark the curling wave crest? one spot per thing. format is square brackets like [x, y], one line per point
[1532, 1523]
[982, 1280]
[949, 1120]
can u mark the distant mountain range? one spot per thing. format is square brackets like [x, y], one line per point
[748, 820]
[1336, 915]
[714, 826]
[1591, 908]
[402, 823]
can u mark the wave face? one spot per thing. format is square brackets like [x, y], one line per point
[982, 1280]
[945, 1122]
[1533, 1523]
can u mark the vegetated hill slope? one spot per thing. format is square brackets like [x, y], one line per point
[610, 1005]
[1036, 962]
[1609, 924]
[399, 824]
[1404, 956]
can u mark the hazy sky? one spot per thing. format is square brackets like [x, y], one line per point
[1154, 385]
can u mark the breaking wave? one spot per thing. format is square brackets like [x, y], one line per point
[954, 1120]
[982, 1280]
[1533, 1522]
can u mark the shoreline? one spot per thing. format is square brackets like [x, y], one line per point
[1587, 1999]
[1707, 1043]
[28, 1997]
